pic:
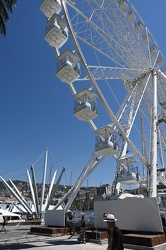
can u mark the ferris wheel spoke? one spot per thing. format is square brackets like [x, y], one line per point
[103, 100]
[131, 108]
[111, 36]
[103, 72]
[111, 31]
[121, 130]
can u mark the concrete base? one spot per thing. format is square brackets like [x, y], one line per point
[146, 240]
[136, 247]
[52, 230]
[143, 213]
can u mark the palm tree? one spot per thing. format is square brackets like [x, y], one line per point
[5, 7]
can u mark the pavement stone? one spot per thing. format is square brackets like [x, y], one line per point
[20, 238]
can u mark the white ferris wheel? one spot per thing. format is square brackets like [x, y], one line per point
[115, 69]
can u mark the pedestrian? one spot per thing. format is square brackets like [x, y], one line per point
[82, 230]
[4, 224]
[115, 238]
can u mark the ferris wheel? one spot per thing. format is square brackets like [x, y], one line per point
[115, 70]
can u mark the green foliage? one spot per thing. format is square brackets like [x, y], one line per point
[5, 7]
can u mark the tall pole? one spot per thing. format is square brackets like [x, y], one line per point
[153, 172]
[20, 196]
[44, 181]
[49, 192]
[55, 189]
[35, 191]
[32, 191]
[16, 196]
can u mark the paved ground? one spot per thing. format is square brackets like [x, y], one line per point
[20, 238]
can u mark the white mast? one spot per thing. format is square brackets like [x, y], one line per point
[86, 171]
[19, 194]
[55, 189]
[92, 163]
[49, 192]
[35, 191]
[32, 192]
[44, 181]
[15, 195]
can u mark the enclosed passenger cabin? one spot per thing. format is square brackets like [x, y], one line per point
[128, 178]
[131, 16]
[56, 31]
[49, 7]
[129, 175]
[106, 141]
[122, 5]
[146, 38]
[85, 107]
[139, 26]
[153, 50]
[68, 67]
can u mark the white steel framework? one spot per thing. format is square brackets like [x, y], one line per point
[123, 64]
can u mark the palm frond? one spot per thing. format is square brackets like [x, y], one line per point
[5, 7]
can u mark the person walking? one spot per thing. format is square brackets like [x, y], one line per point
[4, 224]
[115, 238]
[82, 230]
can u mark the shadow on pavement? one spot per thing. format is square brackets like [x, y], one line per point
[16, 246]
[63, 242]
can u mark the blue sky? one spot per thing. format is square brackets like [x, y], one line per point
[37, 109]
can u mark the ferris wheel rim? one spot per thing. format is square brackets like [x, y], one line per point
[91, 77]
[94, 25]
